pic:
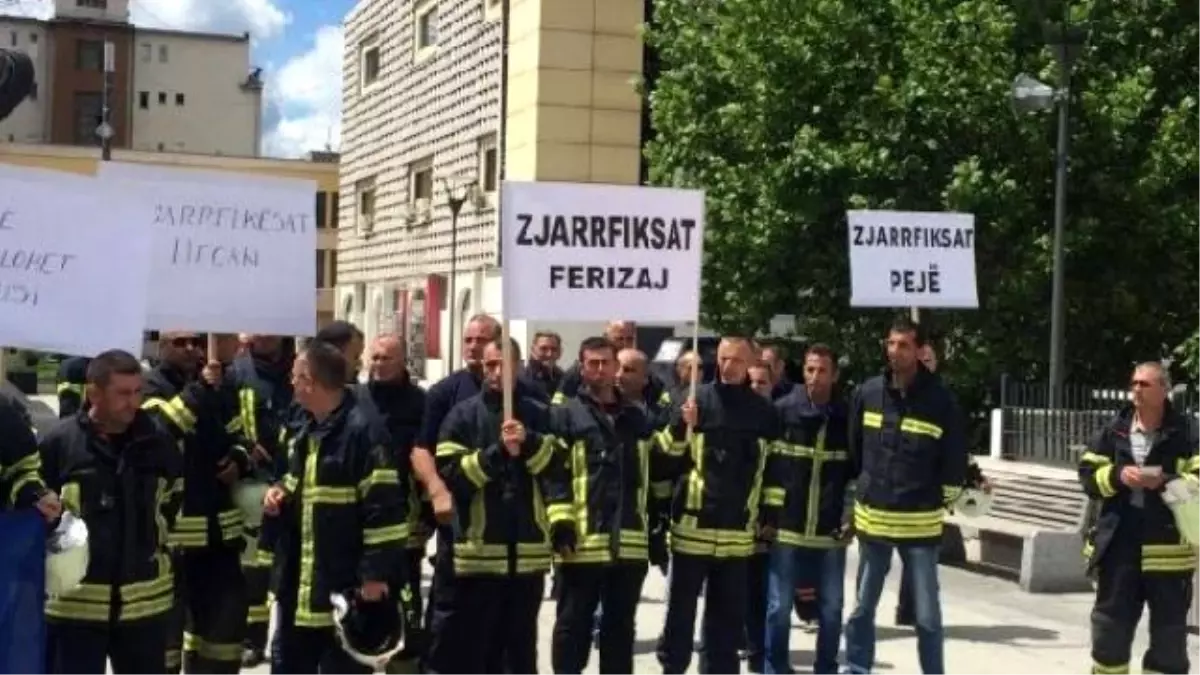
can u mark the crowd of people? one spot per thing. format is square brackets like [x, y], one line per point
[248, 477]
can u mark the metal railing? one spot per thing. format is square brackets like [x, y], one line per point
[1033, 432]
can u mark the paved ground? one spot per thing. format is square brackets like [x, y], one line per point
[991, 627]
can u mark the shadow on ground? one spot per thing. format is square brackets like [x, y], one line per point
[1002, 635]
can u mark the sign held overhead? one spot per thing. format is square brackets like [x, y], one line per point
[912, 259]
[587, 252]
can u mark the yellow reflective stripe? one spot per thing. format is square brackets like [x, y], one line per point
[545, 452]
[662, 489]
[794, 538]
[1094, 458]
[872, 420]
[65, 387]
[328, 494]
[695, 484]
[139, 600]
[378, 477]
[1168, 558]
[290, 483]
[214, 651]
[1102, 477]
[688, 538]
[668, 444]
[557, 513]
[1190, 465]
[472, 469]
[897, 524]
[27, 464]
[664, 399]
[920, 427]
[234, 425]
[258, 613]
[175, 410]
[186, 523]
[773, 496]
[247, 410]
[579, 486]
[305, 616]
[559, 398]
[1101, 669]
[374, 536]
[70, 498]
[450, 448]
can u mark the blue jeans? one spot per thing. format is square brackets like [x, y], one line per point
[875, 559]
[825, 569]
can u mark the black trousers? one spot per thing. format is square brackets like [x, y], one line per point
[208, 622]
[300, 649]
[483, 624]
[414, 619]
[258, 613]
[756, 609]
[1122, 590]
[724, 613]
[134, 647]
[582, 587]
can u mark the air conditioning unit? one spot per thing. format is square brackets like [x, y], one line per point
[408, 213]
[366, 224]
[424, 211]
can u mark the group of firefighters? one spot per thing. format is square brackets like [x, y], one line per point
[744, 488]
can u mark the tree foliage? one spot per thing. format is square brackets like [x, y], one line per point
[790, 112]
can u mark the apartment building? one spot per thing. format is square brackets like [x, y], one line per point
[422, 83]
[167, 91]
[320, 167]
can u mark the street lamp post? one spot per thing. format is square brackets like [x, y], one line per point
[457, 195]
[1031, 95]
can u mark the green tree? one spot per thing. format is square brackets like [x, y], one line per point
[790, 112]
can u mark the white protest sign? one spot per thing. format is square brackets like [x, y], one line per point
[74, 268]
[912, 259]
[586, 252]
[232, 252]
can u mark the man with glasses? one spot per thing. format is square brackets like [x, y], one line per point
[1136, 547]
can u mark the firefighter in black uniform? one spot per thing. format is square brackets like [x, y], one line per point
[1135, 546]
[72, 376]
[611, 440]
[732, 493]
[115, 466]
[20, 463]
[342, 508]
[541, 368]
[623, 335]
[261, 377]
[400, 402]
[513, 503]
[210, 616]
[908, 450]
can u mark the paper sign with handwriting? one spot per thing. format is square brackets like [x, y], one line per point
[231, 252]
[74, 268]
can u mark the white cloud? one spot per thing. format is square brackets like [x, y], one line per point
[263, 19]
[307, 93]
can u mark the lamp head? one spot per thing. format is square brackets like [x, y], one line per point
[1032, 95]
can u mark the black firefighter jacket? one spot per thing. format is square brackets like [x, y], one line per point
[121, 487]
[506, 505]
[734, 480]
[401, 406]
[206, 421]
[345, 517]
[617, 473]
[265, 405]
[1127, 525]
[20, 464]
[910, 454]
[814, 443]
[572, 380]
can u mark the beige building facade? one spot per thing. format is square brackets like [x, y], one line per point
[29, 123]
[421, 119]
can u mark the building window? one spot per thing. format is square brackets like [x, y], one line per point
[365, 191]
[489, 166]
[416, 333]
[144, 100]
[421, 181]
[88, 113]
[322, 282]
[370, 65]
[426, 26]
[492, 9]
[335, 204]
[92, 4]
[89, 55]
[333, 268]
[162, 53]
[147, 52]
[162, 98]
[179, 99]
[33, 38]
[322, 216]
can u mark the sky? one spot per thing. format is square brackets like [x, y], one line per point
[297, 43]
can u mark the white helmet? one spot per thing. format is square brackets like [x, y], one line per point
[248, 498]
[973, 503]
[66, 555]
[371, 633]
